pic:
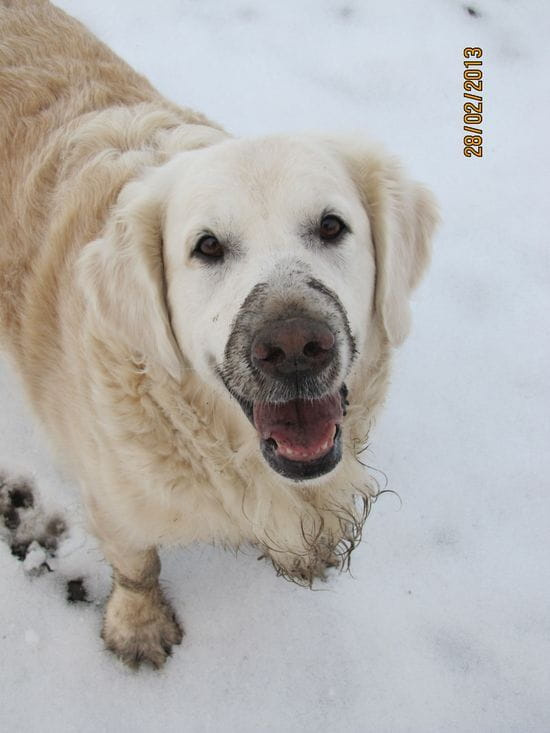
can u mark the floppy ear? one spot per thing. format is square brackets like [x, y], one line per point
[122, 277]
[402, 216]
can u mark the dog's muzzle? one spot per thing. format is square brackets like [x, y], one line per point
[299, 438]
[285, 364]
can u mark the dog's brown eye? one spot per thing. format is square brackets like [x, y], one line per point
[331, 228]
[210, 247]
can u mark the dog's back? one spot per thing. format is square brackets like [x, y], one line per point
[73, 116]
[52, 74]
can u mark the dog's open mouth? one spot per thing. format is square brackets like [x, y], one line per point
[301, 439]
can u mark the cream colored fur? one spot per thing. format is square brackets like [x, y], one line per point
[95, 304]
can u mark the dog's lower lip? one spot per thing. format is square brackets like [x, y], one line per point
[306, 458]
[301, 439]
[303, 470]
[272, 446]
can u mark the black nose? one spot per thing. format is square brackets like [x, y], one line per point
[293, 345]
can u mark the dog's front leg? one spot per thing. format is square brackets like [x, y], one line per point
[139, 625]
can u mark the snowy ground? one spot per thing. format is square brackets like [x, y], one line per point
[445, 624]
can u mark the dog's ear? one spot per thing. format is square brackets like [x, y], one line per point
[402, 216]
[122, 277]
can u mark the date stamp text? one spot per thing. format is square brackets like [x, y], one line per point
[473, 110]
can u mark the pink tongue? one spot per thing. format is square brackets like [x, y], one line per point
[303, 430]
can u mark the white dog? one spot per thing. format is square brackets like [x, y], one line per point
[203, 324]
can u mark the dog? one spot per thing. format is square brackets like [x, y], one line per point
[203, 324]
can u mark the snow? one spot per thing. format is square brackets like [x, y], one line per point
[444, 625]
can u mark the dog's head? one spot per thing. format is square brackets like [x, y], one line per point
[265, 265]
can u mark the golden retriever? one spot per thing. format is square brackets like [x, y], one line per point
[203, 324]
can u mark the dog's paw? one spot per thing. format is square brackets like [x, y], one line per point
[140, 627]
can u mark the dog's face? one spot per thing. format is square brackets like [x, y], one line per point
[274, 258]
[270, 272]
